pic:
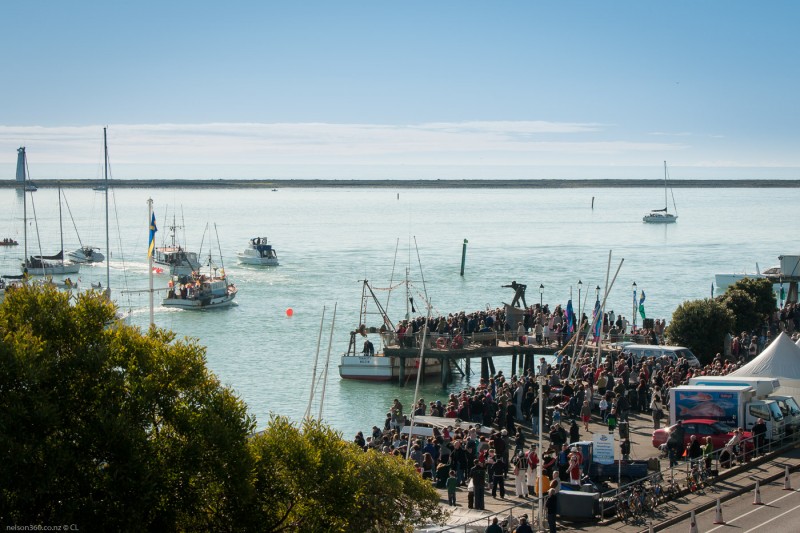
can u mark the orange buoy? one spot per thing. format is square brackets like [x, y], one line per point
[289, 311]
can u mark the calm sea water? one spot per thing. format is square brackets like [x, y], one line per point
[328, 240]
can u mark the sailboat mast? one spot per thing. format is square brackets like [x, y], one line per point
[60, 227]
[665, 187]
[24, 201]
[150, 260]
[108, 248]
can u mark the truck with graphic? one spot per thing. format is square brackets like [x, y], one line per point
[765, 390]
[736, 406]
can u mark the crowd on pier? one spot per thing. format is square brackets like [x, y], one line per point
[485, 441]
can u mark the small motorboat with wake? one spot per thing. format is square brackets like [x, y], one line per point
[259, 252]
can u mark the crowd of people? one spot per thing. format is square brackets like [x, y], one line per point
[479, 453]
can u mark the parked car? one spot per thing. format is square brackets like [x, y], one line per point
[640, 351]
[719, 432]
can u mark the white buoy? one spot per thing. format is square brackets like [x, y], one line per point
[718, 519]
[693, 525]
[757, 495]
[787, 484]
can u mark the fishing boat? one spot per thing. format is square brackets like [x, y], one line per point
[259, 252]
[365, 363]
[174, 257]
[201, 291]
[663, 216]
[42, 265]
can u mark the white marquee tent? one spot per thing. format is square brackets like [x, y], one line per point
[781, 360]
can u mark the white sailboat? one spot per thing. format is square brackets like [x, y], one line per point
[663, 216]
[43, 265]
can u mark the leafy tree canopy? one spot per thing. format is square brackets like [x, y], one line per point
[743, 307]
[760, 290]
[701, 325]
[110, 429]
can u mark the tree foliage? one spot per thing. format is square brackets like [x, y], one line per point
[701, 325]
[743, 307]
[309, 479]
[760, 290]
[108, 428]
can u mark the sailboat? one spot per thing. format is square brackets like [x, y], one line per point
[43, 265]
[663, 216]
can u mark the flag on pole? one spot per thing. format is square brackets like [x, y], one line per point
[570, 317]
[596, 316]
[153, 230]
[641, 306]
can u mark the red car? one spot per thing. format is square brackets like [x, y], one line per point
[719, 432]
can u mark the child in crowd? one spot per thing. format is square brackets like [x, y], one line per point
[452, 488]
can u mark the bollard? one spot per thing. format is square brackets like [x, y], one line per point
[757, 495]
[693, 524]
[718, 519]
[650, 527]
[787, 484]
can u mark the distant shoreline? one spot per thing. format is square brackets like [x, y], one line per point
[415, 184]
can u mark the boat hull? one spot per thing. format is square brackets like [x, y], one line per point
[216, 299]
[382, 368]
[56, 269]
[659, 219]
[80, 256]
[258, 261]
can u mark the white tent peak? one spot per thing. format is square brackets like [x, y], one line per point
[781, 359]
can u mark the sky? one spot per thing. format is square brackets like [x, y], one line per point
[435, 89]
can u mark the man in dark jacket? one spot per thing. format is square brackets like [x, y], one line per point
[551, 505]
[759, 433]
[478, 475]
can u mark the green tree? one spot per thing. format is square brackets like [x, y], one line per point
[109, 429]
[114, 430]
[701, 325]
[309, 479]
[743, 307]
[760, 289]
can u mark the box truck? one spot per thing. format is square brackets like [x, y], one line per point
[765, 390]
[737, 406]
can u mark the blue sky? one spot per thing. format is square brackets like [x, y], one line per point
[415, 89]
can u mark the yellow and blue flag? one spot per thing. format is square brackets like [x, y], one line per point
[153, 229]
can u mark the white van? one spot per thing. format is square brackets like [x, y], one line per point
[640, 351]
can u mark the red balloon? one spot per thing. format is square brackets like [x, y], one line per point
[289, 312]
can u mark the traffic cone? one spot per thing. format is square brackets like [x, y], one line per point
[787, 484]
[693, 524]
[757, 496]
[718, 519]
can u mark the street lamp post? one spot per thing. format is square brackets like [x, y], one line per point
[541, 297]
[597, 293]
[634, 307]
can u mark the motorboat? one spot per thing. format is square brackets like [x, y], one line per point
[200, 291]
[663, 216]
[174, 257]
[86, 254]
[259, 252]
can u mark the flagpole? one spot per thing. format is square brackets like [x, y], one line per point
[150, 256]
